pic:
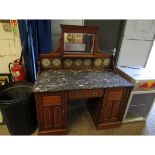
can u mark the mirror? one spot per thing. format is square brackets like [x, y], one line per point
[78, 42]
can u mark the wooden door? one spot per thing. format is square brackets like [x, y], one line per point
[112, 105]
[52, 111]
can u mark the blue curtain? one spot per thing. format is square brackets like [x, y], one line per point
[36, 39]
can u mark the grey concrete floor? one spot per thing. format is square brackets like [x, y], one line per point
[80, 123]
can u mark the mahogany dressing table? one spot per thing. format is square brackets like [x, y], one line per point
[79, 70]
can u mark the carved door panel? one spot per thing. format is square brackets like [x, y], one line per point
[112, 105]
[53, 117]
[110, 112]
[53, 111]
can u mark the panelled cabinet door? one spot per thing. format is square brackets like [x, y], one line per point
[112, 105]
[53, 111]
[53, 117]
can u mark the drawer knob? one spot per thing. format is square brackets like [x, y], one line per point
[77, 94]
[94, 93]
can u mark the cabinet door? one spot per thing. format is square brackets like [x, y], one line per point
[53, 111]
[112, 105]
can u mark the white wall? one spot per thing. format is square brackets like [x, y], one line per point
[151, 61]
[139, 29]
[137, 42]
[56, 30]
[10, 48]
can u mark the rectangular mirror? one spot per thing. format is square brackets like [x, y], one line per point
[78, 42]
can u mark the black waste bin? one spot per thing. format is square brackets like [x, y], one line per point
[18, 107]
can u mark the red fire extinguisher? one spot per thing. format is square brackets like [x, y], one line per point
[17, 70]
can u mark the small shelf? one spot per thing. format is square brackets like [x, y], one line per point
[78, 56]
[52, 54]
[86, 55]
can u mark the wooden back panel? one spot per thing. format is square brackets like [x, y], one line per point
[60, 60]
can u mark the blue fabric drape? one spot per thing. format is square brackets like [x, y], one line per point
[44, 37]
[36, 39]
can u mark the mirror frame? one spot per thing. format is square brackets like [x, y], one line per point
[78, 29]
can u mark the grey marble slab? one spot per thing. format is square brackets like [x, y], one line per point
[51, 81]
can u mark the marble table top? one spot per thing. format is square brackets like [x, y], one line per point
[62, 80]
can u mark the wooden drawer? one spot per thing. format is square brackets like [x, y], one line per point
[115, 95]
[51, 100]
[86, 94]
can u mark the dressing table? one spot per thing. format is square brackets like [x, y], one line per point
[79, 70]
